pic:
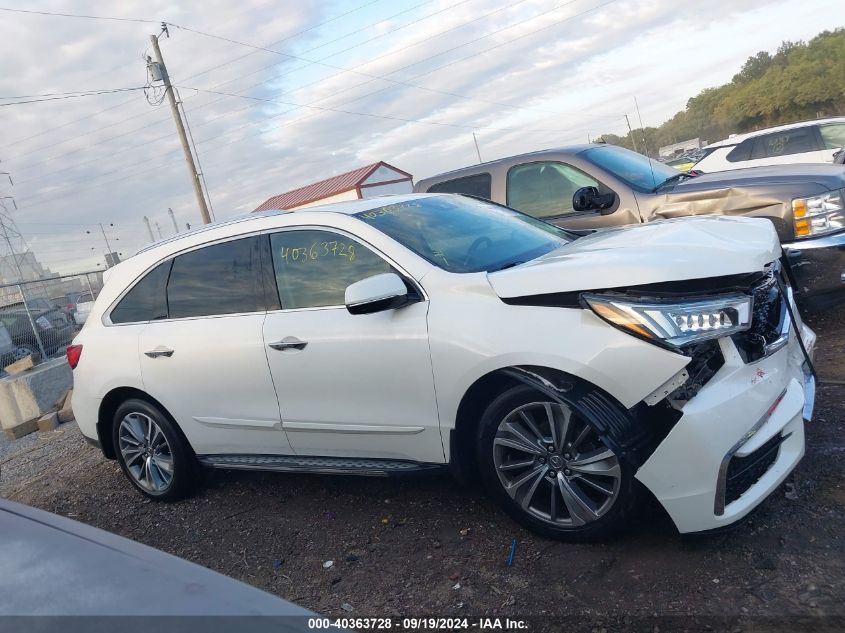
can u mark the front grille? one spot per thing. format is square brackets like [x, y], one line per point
[744, 472]
[769, 312]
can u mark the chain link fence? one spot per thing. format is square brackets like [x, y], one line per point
[40, 318]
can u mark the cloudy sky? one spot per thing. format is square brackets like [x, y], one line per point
[346, 83]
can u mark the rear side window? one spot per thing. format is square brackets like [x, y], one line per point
[147, 301]
[784, 143]
[220, 279]
[476, 185]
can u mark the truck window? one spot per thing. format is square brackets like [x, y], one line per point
[475, 185]
[545, 189]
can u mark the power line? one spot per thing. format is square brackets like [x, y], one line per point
[74, 15]
[296, 106]
[301, 32]
[69, 96]
[463, 24]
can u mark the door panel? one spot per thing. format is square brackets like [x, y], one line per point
[361, 386]
[348, 385]
[216, 383]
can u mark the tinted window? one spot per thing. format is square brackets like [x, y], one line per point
[741, 152]
[545, 189]
[475, 185]
[313, 268]
[465, 235]
[220, 279]
[147, 300]
[784, 143]
[833, 135]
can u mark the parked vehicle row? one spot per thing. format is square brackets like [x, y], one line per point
[404, 333]
[599, 186]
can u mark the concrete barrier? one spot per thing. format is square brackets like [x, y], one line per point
[26, 397]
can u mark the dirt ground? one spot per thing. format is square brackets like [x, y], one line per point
[427, 547]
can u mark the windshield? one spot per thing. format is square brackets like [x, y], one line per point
[634, 169]
[465, 235]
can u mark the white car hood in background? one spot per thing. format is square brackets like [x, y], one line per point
[671, 250]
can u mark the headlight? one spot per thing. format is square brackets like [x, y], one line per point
[819, 214]
[676, 324]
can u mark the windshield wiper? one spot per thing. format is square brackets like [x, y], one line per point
[671, 180]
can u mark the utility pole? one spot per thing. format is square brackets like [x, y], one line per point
[631, 133]
[173, 217]
[477, 151]
[149, 229]
[180, 129]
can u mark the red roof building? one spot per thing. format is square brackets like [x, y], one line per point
[365, 182]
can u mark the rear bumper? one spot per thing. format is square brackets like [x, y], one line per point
[819, 268]
[739, 415]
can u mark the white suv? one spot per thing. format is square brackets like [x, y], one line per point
[403, 333]
[805, 142]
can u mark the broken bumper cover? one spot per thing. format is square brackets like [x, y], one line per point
[737, 439]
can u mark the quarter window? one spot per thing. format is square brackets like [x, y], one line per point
[220, 279]
[313, 268]
[476, 185]
[146, 301]
[741, 152]
[545, 189]
[833, 135]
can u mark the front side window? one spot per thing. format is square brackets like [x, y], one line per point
[219, 279]
[313, 267]
[146, 301]
[833, 135]
[476, 185]
[463, 235]
[545, 189]
[784, 143]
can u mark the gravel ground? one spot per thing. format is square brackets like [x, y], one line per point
[424, 546]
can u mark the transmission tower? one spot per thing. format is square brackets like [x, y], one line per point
[13, 247]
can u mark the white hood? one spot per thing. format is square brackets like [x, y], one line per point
[671, 250]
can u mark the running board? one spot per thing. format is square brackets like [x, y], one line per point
[317, 465]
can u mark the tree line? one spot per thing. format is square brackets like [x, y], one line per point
[800, 81]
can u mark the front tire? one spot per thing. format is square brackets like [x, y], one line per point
[550, 470]
[152, 452]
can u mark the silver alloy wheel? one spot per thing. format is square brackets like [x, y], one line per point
[146, 452]
[554, 465]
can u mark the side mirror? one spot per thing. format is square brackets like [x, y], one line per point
[376, 294]
[589, 199]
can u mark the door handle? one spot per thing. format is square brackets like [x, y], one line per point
[289, 342]
[159, 351]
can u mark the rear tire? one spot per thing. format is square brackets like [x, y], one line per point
[152, 452]
[550, 470]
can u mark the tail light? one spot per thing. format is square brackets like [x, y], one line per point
[74, 352]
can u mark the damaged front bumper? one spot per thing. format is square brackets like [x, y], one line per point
[737, 439]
